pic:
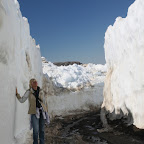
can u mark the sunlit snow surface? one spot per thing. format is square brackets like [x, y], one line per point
[124, 53]
[20, 60]
[75, 76]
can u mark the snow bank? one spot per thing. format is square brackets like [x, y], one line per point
[20, 60]
[74, 77]
[66, 103]
[124, 54]
[73, 88]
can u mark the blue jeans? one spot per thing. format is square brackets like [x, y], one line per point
[38, 128]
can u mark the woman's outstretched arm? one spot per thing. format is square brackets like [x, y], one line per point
[24, 97]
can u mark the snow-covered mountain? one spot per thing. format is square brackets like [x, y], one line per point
[124, 54]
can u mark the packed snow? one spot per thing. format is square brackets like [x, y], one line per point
[20, 60]
[75, 77]
[124, 54]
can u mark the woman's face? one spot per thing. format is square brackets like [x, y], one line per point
[34, 85]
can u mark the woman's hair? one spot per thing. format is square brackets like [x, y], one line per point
[31, 81]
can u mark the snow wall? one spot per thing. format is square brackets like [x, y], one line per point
[124, 54]
[20, 60]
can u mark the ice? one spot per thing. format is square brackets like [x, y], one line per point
[124, 54]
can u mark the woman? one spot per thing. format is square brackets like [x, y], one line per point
[38, 109]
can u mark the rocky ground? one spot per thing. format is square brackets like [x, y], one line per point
[87, 129]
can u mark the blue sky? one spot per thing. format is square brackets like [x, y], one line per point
[72, 30]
